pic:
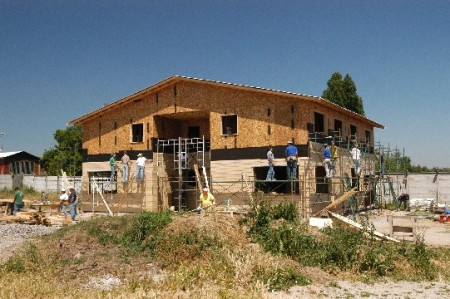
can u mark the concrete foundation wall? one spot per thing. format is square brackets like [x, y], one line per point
[6, 181]
[429, 186]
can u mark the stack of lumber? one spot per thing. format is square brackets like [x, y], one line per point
[38, 218]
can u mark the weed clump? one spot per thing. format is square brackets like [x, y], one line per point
[280, 231]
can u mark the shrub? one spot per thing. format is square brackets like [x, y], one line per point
[281, 278]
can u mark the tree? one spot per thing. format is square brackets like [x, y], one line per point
[66, 155]
[343, 92]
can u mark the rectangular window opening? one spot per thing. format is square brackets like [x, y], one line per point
[229, 124]
[319, 123]
[353, 132]
[137, 131]
[338, 127]
[368, 136]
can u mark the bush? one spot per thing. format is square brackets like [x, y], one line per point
[281, 278]
[145, 230]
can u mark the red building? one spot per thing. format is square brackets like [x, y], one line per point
[19, 162]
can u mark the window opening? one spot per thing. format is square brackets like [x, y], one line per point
[229, 124]
[338, 126]
[319, 122]
[353, 131]
[137, 131]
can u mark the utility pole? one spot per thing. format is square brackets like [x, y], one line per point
[1, 146]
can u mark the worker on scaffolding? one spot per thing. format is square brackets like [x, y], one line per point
[334, 157]
[291, 160]
[327, 160]
[356, 156]
[206, 201]
[112, 165]
[270, 158]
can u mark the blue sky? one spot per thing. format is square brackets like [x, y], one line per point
[62, 59]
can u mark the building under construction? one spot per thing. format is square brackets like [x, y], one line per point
[197, 132]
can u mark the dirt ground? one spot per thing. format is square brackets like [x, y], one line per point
[433, 232]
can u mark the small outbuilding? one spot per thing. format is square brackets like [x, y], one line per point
[19, 162]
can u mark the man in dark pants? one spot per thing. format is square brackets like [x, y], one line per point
[403, 199]
[291, 162]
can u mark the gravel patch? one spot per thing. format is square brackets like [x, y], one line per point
[13, 234]
[351, 289]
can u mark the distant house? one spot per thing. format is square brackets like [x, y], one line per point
[224, 127]
[19, 162]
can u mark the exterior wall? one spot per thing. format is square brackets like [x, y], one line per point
[111, 132]
[263, 118]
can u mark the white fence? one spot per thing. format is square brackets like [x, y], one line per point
[39, 183]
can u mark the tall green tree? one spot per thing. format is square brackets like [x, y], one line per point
[343, 92]
[66, 154]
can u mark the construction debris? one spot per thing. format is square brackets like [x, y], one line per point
[355, 225]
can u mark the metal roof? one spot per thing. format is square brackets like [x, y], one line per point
[8, 154]
[176, 78]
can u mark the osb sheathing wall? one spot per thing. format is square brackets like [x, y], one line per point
[111, 132]
[264, 118]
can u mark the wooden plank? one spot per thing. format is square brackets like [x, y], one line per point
[356, 225]
[197, 178]
[338, 201]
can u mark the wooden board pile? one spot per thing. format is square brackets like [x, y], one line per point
[37, 218]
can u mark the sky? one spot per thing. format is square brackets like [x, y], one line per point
[62, 59]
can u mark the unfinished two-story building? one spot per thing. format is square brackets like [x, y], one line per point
[202, 132]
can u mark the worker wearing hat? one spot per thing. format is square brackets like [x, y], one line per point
[291, 160]
[206, 200]
[64, 200]
[140, 168]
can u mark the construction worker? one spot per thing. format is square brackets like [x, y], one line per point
[403, 199]
[140, 168]
[327, 160]
[64, 200]
[356, 157]
[291, 160]
[18, 200]
[206, 200]
[334, 157]
[125, 167]
[112, 165]
[73, 202]
[270, 159]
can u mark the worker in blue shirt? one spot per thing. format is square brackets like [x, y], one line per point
[291, 160]
[327, 160]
